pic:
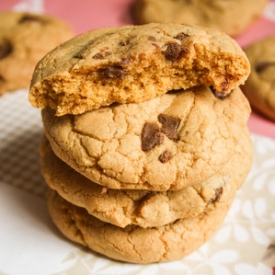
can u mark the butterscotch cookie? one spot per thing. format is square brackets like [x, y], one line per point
[147, 208]
[232, 17]
[131, 64]
[24, 39]
[169, 142]
[260, 86]
[132, 243]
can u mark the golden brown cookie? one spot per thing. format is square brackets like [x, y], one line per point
[24, 39]
[147, 208]
[132, 243]
[231, 17]
[131, 64]
[260, 86]
[169, 142]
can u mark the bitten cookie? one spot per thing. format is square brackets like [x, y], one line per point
[132, 243]
[260, 86]
[24, 39]
[231, 17]
[131, 64]
[147, 208]
[169, 142]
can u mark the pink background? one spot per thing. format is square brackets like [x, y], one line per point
[83, 15]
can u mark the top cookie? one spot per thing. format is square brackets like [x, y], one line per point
[131, 64]
[231, 17]
[24, 39]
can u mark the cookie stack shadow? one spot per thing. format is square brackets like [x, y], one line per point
[152, 180]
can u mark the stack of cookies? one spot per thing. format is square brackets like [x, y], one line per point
[146, 139]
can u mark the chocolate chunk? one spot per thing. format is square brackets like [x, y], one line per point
[181, 36]
[126, 60]
[165, 156]
[175, 51]
[218, 193]
[262, 66]
[152, 38]
[26, 18]
[5, 49]
[219, 95]
[98, 56]
[169, 126]
[156, 45]
[114, 72]
[150, 136]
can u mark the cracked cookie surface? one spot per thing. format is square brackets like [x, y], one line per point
[24, 39]
[147, 208]
[132, 243]
[131, 64]
[169, 142]
[260, 86]
[232, 17]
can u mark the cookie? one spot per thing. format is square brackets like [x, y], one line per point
[24, 39]
[231, 17]
[167, 143]
[132, 243]
[147, 208]
[132, 64]
[260, 86]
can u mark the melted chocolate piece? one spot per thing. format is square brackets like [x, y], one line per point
[114, 72]
[169, 126]
[262, 66]
[150, 136]
[219, 95]
[165, 156]
[218, 193]
[181, 36]
[152, 38]
[5, 49]
[29, 18]
[175, 51]
[98, 56]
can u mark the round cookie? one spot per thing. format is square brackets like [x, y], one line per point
[147, 208]
[169, 142]
[24, 39]
[231, 17]
[132, 243]
[260, 86]
[131, 64]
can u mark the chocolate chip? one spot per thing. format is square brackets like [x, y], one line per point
[156, 45]
[126, 60]
[262, 66]
[169, 126]
[114, 72]
[125, 43]
[218, 193]
[181, 36]
[152, 38]
[165, 156]
[219, 95]
[29, 18]
[5, 49]
[98, 56]
[150, 136]
[175, 51]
